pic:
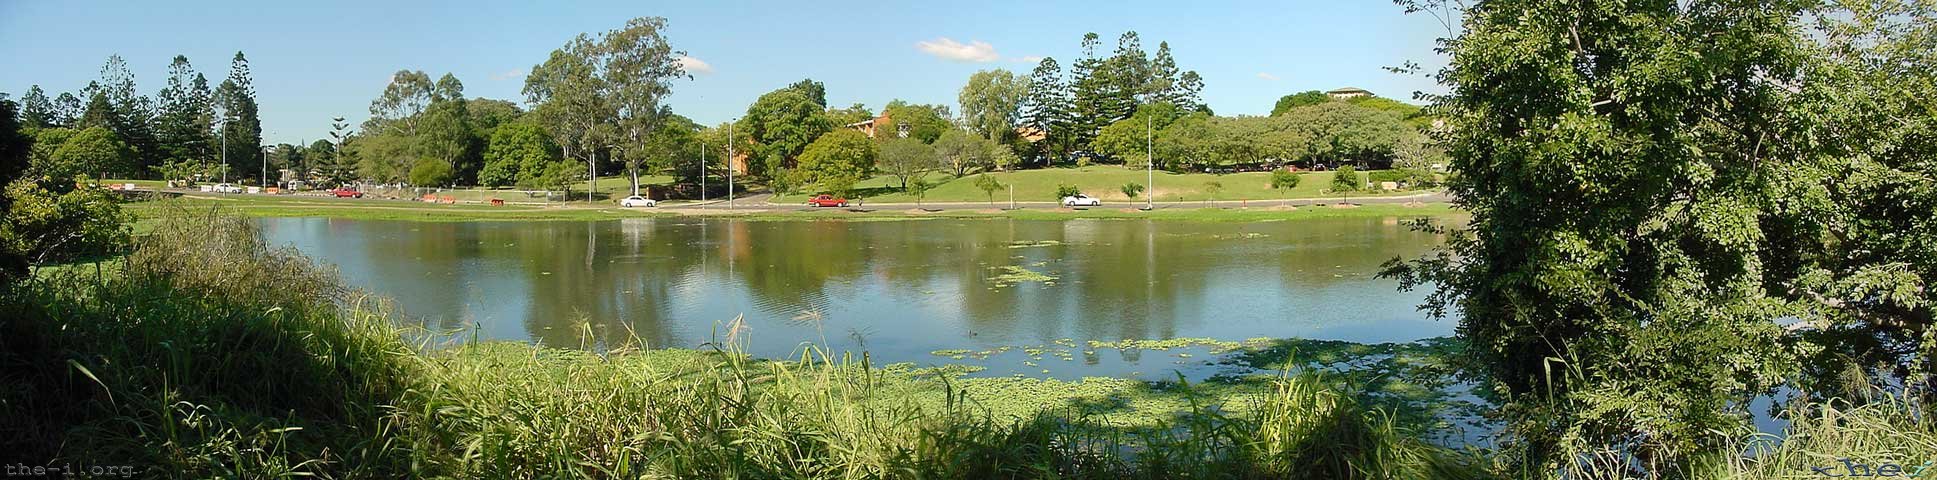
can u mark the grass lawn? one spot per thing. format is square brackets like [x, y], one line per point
[371, 209]
[1106, 182]
[1253, 214]
[148, 184]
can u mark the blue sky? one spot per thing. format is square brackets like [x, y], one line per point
[315, 60]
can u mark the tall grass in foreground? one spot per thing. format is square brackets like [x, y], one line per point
[203, 353]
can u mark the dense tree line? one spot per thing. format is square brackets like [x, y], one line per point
[175, 134]
[1071, 109]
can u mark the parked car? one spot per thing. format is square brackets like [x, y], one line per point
[638, 201]
[826, 201]
[226, 188]
[1081, 200]
[346, 192]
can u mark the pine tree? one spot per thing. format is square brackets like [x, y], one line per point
[99, 111]
[1189, 89]
[1046, 109]
[132, 113]
[1087, 89]
[182, 125]
[1165, 84]
[67, 109]
[36, 111]
[1127, 74]
[241, 128]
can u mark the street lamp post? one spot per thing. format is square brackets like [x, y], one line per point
[729, 165]
[702, 172]
[1149, 167]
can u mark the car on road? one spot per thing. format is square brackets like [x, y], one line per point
[226, 188]
[638, 201]
[346, 192]
[1081, 200]
[826, 201]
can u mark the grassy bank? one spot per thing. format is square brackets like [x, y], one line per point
[270, 206]
[1105, 182]
[368, 209]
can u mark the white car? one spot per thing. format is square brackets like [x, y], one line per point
[1081, 200]
[638, 201]
[226, 188]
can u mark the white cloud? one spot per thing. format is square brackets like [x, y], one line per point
[509, 74]
[1267, 76]
[948, 49]
[695, 66]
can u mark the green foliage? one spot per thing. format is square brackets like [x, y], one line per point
[1046, 110]
[1300, 99]
[1406, 177]
[1212, 188]
[989, 185]
[557, 176]
[93, 152]
[1129, 140]
[45, 142]
[782, 123]
[785, 181]
[837, 160]
[1343, 132]
[518, 152]
[919, 189]
[208, 353]
[907, 159]
[814, 91]
[53, 221]
[1346, 179]
[241, 121]
[961, 152]
[1282, 179]
[1065, 190]
[925, 122]
[991, 101]
[431, 173]
[1131, 190]
[1631, 173]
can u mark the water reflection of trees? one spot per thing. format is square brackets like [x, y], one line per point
[649, 276]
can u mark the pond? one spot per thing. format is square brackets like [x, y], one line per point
[1016, 296]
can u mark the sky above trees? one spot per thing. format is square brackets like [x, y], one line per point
[315, 61]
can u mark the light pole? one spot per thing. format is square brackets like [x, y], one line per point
[729, 164]
[702, 172]
[1149, 167]
[263, 157]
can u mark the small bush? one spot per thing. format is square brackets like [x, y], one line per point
[431, 173]
[1346, 179]
[1282, 179]
[1130, 190]
[1065, 190]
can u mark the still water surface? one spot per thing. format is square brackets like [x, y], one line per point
[896, 289]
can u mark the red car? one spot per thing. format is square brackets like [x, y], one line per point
[827, 201]
[346, 192]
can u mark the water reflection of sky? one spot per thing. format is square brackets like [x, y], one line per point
[898, 290]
